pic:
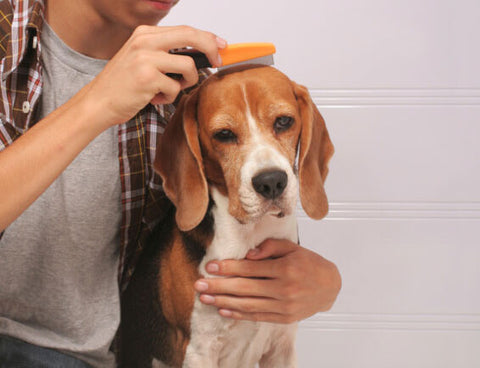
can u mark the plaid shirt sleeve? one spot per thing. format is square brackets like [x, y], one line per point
[5, 22]
[6, 16]
[20, 69]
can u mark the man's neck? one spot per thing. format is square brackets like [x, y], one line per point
[86, 31]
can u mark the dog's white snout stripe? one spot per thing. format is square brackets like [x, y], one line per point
[264, 157]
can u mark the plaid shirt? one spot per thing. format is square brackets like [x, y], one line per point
[143, 201]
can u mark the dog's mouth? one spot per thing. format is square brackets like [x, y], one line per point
[276, 208]
[279, 214]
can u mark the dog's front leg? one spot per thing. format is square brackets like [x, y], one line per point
[201, 356]
[277, 358]
[203, 349]
[282, 353]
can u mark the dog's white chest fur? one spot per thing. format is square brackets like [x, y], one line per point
[219, 342]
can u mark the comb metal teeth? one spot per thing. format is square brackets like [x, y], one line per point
[265, 60]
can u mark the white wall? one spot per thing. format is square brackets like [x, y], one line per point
[398, 83]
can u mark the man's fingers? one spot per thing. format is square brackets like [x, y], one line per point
[168, 90]
[165, 39]
[204, 41]
[258, 317]
[244, 268]
[272, 248]
[179, 64]
[237, 286]
[243, 304]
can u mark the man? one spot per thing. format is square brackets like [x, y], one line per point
[85, 96]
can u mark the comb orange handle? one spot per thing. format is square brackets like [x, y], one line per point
[238, 52]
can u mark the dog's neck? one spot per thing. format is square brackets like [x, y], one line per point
[233, 240]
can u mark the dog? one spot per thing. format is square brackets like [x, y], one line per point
[233, 158]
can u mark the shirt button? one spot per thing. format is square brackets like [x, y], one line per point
[26, 107]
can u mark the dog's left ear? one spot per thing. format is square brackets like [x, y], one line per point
[179, 162]
[316, 149]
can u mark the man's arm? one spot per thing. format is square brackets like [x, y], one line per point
[134, 77]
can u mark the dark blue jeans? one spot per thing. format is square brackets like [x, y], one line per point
[18, 354]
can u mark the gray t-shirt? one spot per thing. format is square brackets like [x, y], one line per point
[59, 259]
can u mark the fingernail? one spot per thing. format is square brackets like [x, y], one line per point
[201, 286]
[219, 61]
[225, 312]
[207, 299]
[221, 43]
[212, 268]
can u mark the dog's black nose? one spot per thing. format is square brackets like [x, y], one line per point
[270, 184]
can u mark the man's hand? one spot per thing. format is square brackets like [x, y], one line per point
[136, 75]
[279, 281]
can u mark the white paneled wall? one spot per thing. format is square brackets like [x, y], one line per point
[398, 83]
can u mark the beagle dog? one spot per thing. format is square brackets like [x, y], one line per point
[228, 161]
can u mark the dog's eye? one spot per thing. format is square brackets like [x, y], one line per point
[282, 123]
[225, 135]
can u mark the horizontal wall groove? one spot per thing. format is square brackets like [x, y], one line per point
[395, 97]
[401, 210]
[411, 322]
[324, 328]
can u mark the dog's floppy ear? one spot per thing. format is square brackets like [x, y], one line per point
[179, 162]
[316, 149]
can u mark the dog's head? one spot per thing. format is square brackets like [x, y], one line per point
[240, 132]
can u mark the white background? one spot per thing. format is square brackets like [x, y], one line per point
[398, 83]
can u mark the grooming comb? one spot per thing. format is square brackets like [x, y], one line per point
[234, 54]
